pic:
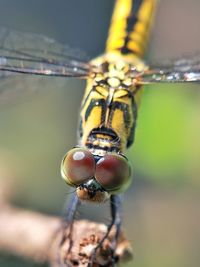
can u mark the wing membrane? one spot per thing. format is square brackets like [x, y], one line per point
[181, 70]
[16, 89]
[36, 54]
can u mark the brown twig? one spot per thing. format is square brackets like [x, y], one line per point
[37, 236]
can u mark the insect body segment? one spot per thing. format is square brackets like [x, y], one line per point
[109, 107]
[130, 26]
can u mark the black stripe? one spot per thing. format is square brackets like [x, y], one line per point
[124, 108]
[104, 130]
[126, 114]
[131, 22]
[136, 6]
[94, 89]
[96, 103]
[80, 128]
[131, 136]
[107, 149]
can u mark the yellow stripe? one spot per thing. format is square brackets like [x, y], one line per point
[134, 41]
[117, 29]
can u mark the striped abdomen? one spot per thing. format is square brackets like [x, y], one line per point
[130, 26]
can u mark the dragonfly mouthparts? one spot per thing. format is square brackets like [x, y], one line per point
[92, 191]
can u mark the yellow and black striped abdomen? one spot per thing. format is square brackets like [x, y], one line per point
[130, 26]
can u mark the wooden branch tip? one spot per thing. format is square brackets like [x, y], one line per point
[38, 237]
[86, 236]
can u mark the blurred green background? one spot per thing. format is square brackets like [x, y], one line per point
[161, 209]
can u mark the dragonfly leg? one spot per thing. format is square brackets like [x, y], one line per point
[68, 219]
[116, 213]
[115, 205]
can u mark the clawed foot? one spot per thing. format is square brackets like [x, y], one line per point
[67, 230]
[104, 250]
[91, 248]
[100, 254]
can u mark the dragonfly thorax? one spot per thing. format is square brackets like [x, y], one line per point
[109, 107]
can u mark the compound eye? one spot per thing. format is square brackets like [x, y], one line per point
[112, 171]
[77, 166]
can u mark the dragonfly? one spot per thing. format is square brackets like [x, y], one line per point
[97, 166]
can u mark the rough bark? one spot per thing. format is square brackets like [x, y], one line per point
[37, 236]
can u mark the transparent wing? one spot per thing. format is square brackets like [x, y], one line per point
[177, 71]
[36, 54]
[16, 89]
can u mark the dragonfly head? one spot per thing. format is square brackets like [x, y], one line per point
[95, 177]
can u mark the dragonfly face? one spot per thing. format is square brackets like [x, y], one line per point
[94, 177]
